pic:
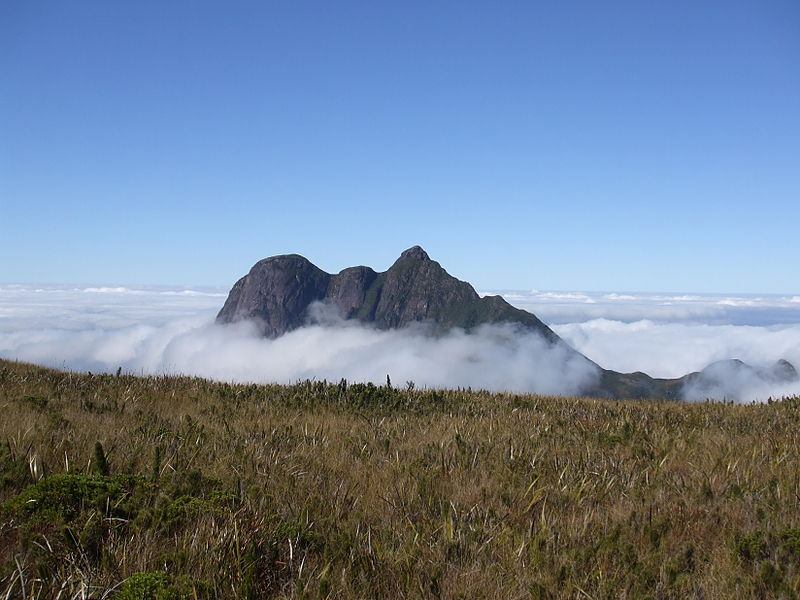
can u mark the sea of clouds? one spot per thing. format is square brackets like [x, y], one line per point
[670, 335]
[154, 330]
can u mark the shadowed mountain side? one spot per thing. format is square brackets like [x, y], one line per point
[278, 291]
[730, 378]
[640, 386]
[275, 294]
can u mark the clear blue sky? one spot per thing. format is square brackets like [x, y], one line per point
[555, 145]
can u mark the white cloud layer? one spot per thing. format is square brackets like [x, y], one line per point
[675, 349]
[167, 330]
[137, 330]
[572, 307]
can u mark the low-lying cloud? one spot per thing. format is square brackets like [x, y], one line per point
[501, 357]
[675, 349]
[738, 381]
[161, 330]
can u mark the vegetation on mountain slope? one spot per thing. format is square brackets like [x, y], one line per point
[174, 487]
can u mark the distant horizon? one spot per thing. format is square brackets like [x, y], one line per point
[480, 290]
[599, 303]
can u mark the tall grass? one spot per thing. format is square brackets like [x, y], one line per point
[176, 487]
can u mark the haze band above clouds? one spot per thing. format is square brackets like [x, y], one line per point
[557, 308]
[670, 335]
[155, 330]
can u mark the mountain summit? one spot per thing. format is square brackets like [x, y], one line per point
[278, 291]
[415, 252]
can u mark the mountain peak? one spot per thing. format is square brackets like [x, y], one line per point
[277, 292]
[415, 252]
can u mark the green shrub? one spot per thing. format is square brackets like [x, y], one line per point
[791, 541]
[64, 496]
[14, 469]
[751, 547]
[99, 462]
[158, 585]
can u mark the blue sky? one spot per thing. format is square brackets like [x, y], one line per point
[649, 146]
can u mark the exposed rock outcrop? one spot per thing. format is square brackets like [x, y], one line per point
[277, 291]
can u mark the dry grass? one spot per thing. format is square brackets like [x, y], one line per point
[332, 491]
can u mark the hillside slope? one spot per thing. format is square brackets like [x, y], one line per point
[177, 487]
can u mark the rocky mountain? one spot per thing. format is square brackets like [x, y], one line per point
[277, 292]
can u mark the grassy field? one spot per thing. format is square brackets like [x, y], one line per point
[169, 487]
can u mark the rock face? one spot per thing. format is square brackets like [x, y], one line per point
[277, 292]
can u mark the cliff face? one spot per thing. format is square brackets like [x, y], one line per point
[277, 292]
